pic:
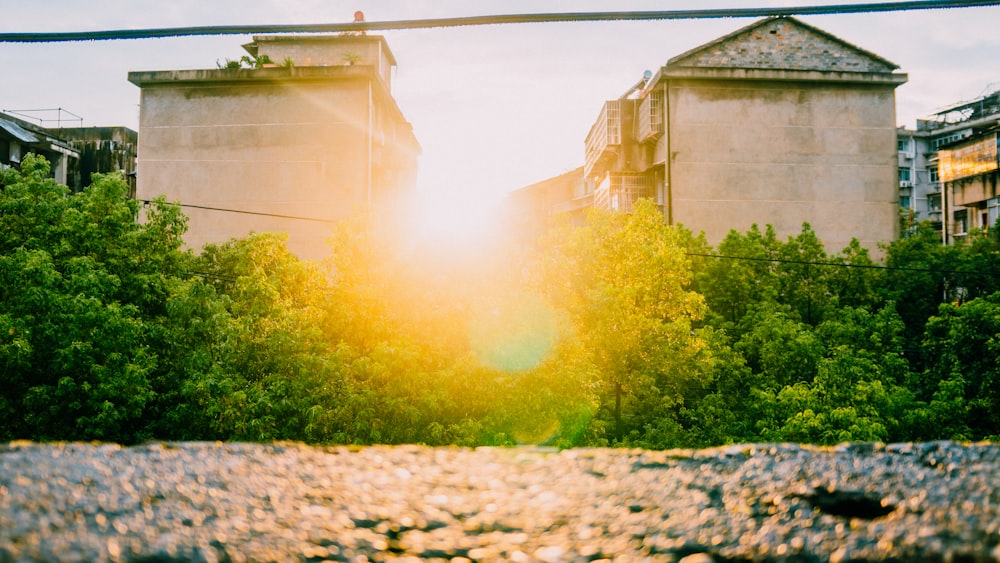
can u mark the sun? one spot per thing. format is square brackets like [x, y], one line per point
[455, 221]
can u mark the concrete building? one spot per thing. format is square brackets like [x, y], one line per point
[74, 153]
[289, 147]
[919, 188]
[101, 150]
[530, 207]
[19, 137]
[951, 167]
[778, 123]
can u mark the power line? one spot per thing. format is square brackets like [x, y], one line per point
[703, 255]
[843, 265]
[349, 27]
[260, 213]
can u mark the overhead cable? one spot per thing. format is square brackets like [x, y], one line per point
[362, 26]
[845, 265]
[260, 213]
[702, 255]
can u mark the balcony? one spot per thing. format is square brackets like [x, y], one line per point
[604, 136]
[620, 191]
[651, 116]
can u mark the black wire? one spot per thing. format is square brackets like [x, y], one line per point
[331, 221]
[744, 258]
[842, 265]
[52, 37]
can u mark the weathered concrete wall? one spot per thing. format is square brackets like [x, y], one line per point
[292, 142]
[330, 51]
[102, 150]
[977, 189]
[784, 153]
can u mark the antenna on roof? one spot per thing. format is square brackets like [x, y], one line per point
[45, 116]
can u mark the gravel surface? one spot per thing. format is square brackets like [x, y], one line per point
[290, 502]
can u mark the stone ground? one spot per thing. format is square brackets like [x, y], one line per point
[164, 502]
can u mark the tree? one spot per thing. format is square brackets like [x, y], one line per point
[79, 278]
[962, 377]
[623, 280]
[741, 277]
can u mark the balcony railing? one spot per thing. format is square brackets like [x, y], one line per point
[620, 191]
[605, 134]
[651, 116]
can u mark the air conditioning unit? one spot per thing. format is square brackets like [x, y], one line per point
[905, 184]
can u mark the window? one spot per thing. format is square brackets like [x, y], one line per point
[934, 203]
[904, 174]
[937, 143]
[933, 174]
[904, 201]
[903, 144]
[961, 222]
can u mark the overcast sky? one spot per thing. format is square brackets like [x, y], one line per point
[496, 107]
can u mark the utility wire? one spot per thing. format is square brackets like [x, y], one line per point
[842, 265]
[357, 27]
[192, 206]
[703, 255]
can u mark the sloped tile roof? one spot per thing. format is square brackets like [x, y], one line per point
[783, 43]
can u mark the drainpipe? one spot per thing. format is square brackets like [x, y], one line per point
[670, 157]
[944, 210]
[371, 141]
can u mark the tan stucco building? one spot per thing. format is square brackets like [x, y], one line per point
[778, 123]
[290, 147]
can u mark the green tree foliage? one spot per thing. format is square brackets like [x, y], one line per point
[77, 276]
[624, 281]
[624, 331]
[962, 380]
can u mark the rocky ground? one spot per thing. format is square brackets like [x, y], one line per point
[287, 502]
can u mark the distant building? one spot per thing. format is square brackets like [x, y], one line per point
[74, 153]
[19, 137]
[778, 123]
[919, 188]
[102, 150]
[288, 147]
[530, 207]
[951, 167]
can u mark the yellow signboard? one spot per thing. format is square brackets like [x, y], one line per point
[968, 160]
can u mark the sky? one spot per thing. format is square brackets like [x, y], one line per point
[495, 108]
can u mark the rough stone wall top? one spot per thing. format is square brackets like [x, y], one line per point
[783, 43]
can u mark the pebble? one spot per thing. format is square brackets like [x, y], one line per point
[205, 502]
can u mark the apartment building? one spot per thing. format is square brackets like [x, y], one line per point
[289, 147]
[948, 167]
[777, 123]
[18, 137]
[74, 153]
[919, 188]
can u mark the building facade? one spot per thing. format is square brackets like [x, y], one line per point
[948, 172]
[74, 153]
[919, 188]
[19, 137]
[289, 147]
[530, 207]
[778, 123]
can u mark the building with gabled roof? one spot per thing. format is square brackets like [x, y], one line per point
[777, 123]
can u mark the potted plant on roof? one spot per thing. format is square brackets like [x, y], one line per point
[350, 58]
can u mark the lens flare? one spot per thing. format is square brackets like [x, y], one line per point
[514, 333]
